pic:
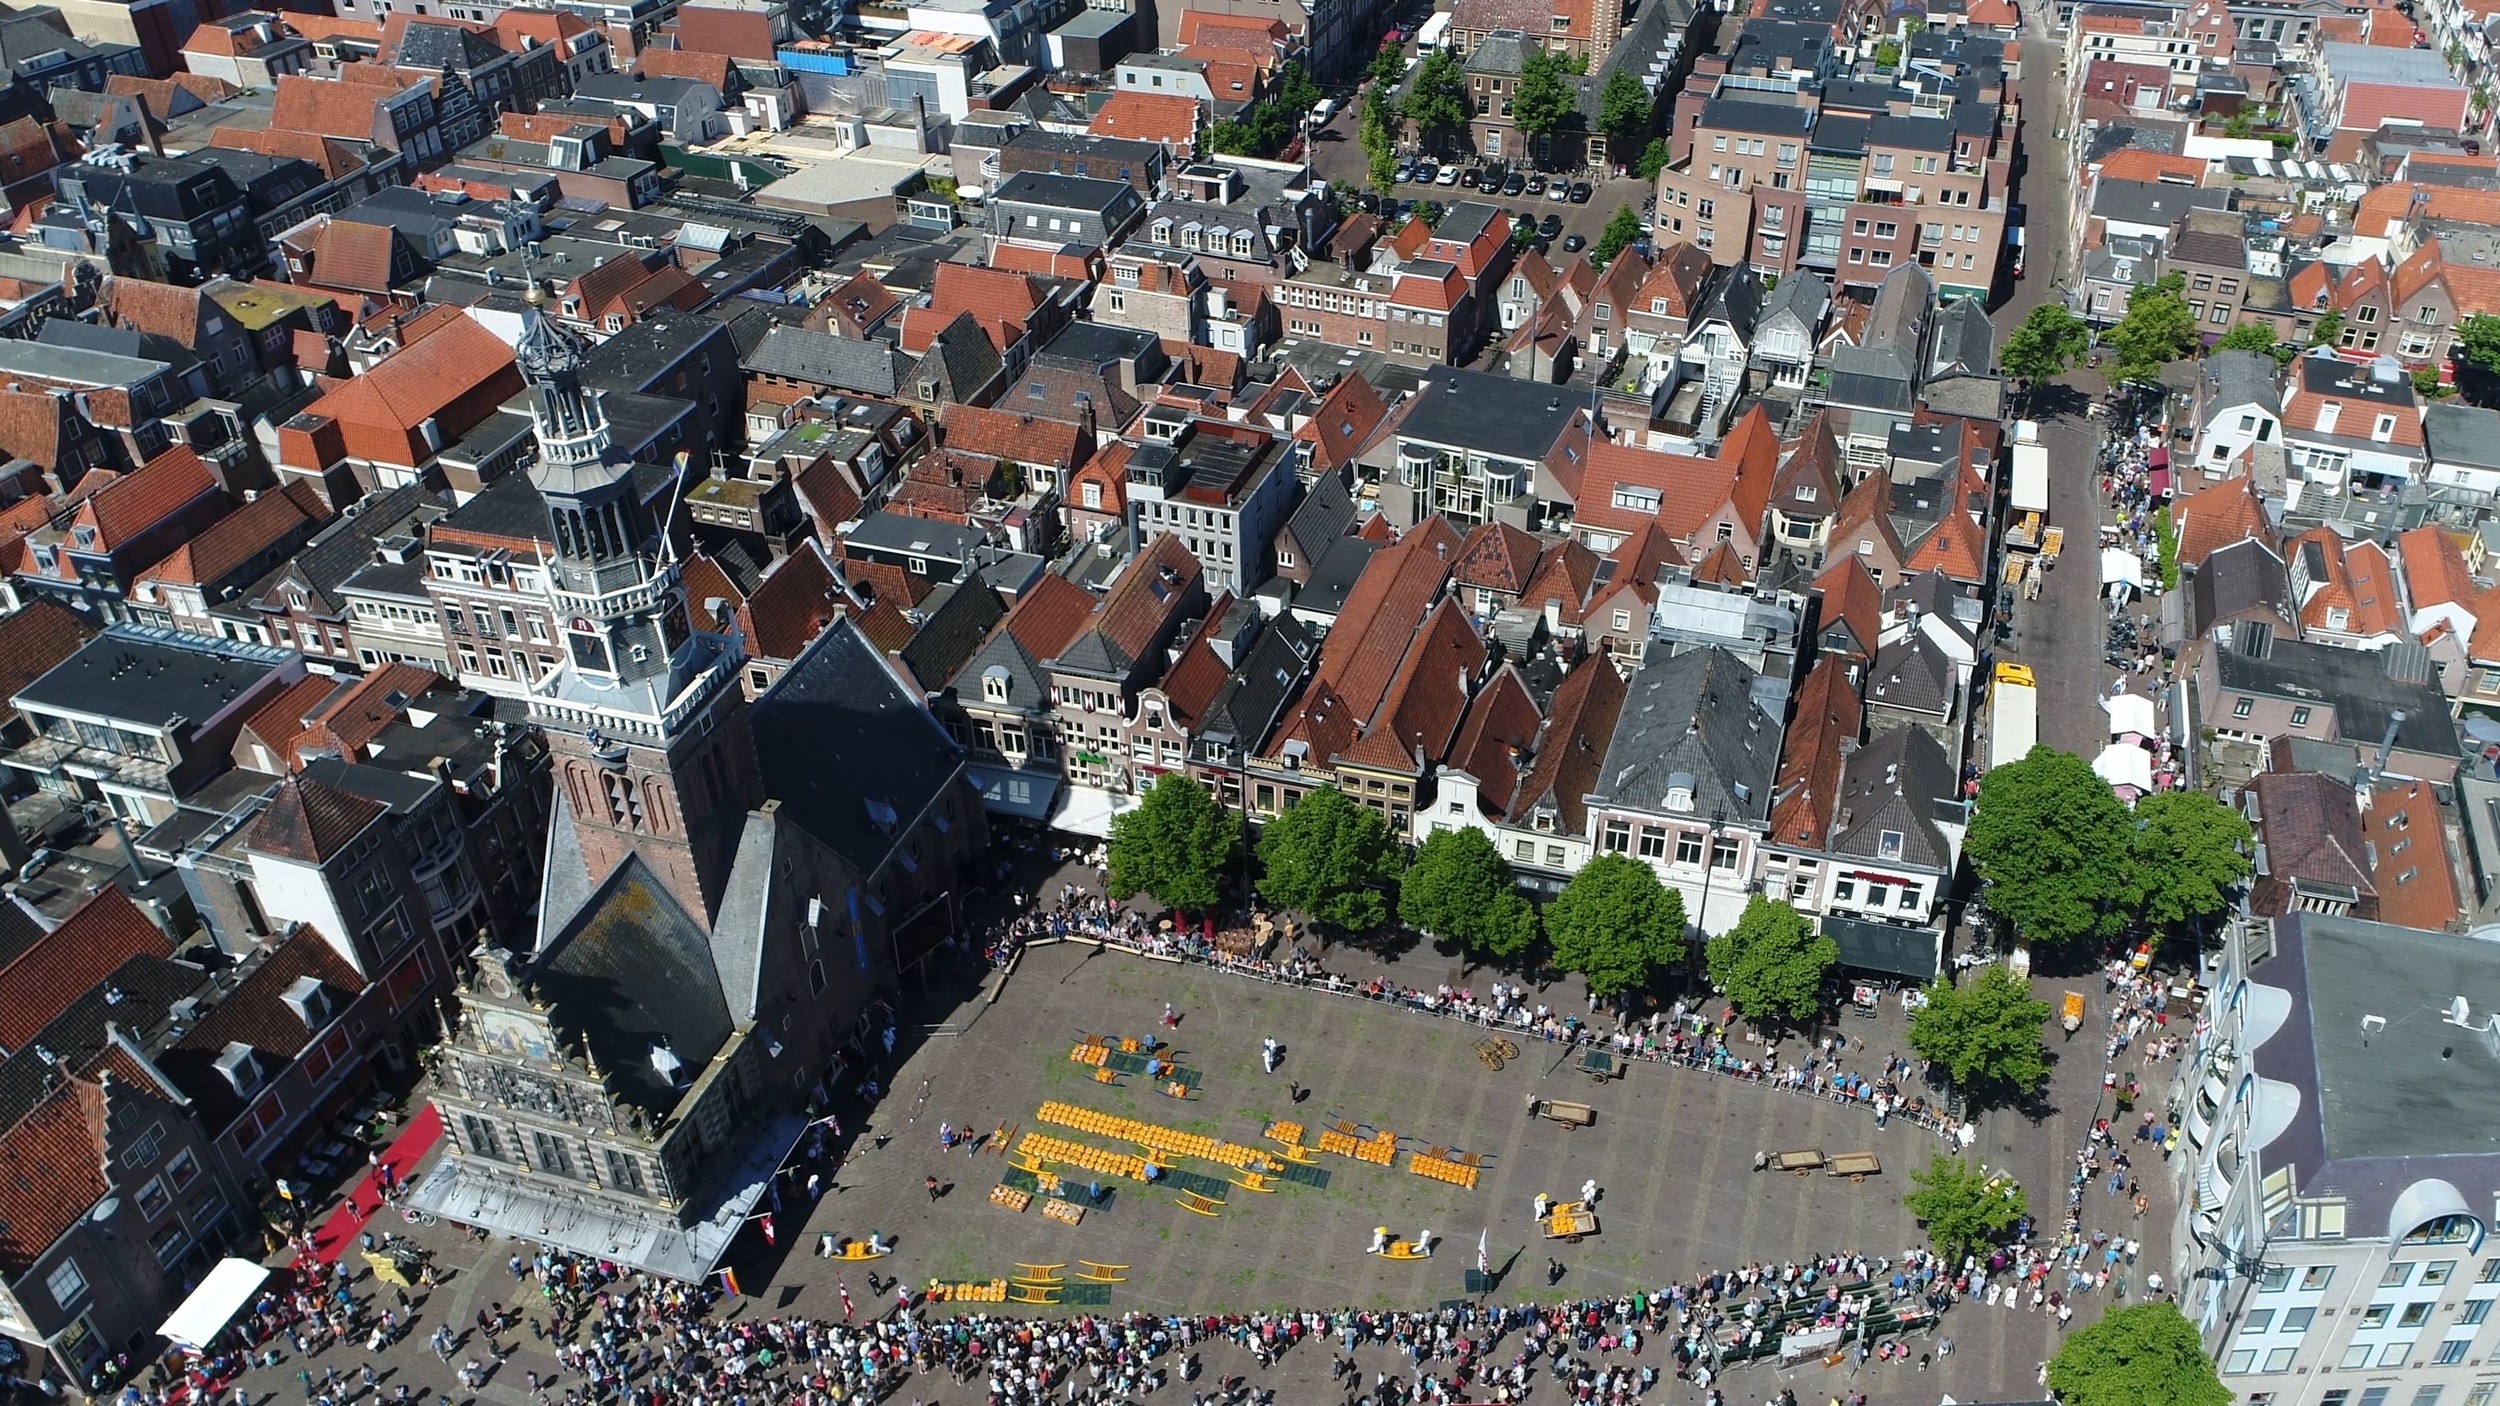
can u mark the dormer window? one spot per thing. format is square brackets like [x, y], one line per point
[994, 684]
[1888, 845]
[1805, 493]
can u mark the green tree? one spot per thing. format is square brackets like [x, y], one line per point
[1546, 99]
[1436, 101]
[1387, 66]
[2190, 852]
[2478, 342]
[1458, 887]
[1966, 1209]
[2249, 337]
[2157, 330]
[1174, 845]
[1294, 89]
[2044, 345]
[1231, 138]
[1622, 227]
[1986, 1034]
[1615, 924]
[2050, 840]
[1623, 111]
[2148, 1355]
[1379, 140]
[2239, 128]
[1328, 857]
[2329, 326]
[1773, 963]
[1888, 54]
[1655, 158]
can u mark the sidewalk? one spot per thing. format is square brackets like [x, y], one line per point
[337, 1234]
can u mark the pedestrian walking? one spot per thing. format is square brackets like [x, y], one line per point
[845, 1291]
[932, 1185]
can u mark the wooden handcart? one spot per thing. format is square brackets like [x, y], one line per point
[2071, 1013]
[1493, 1051]
[1600, 1064]
[1803, 1161]
[1572, 1116]
[1856, 1166]
[1570, 1221]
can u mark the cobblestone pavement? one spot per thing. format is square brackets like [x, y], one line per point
[1672, 1151]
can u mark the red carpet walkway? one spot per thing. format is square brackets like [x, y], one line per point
[337, 1235]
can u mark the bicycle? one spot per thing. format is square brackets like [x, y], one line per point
[416, 1217]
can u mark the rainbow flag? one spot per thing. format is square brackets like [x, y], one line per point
[729, 1281]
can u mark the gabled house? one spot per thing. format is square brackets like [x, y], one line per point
[2346, 592]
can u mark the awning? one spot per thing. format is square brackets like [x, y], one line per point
[2159, 481]
[2157, 458]
[2120, 566]
[2124, 764]
[1026, 795]
[2130, 712]
[1087, 810]
[213, 1305]
[1917, 953]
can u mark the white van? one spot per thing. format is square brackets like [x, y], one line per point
[1326, 110]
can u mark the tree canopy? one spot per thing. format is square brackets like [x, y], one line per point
[1458, 887]
[1387, 65]
[2053, 844]
[2044, 345]
[2190, 852]
[1173, 846]
[1436, 101]
[1615, 924]
[1986, 1034]
[2250, 337]
[1966, 1209]
[1623, 112]
[1655, 158]
[2157, 330]
[1295, 90]
[1622, 227]
[2148, 1355]
[1773, 963]
[1328, 857]
[2478, 342]
[1546, 99]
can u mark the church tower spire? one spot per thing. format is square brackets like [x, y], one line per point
[645, 719]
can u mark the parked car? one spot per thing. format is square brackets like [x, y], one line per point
[1580, 192]
[1448, 176]
[1405, 172]
[1514, 185]
[1558, 189]
[1424, 172]
[1574, 244]
[1536, 184]
[1550, 226]
[1471, 178]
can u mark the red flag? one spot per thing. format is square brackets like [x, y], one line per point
[766, 1221]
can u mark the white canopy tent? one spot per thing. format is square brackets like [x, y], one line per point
[2120, 567]
[213, 1305]
[2123, 764]
[2130, 712]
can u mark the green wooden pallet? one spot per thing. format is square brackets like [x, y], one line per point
[1301, 1175]
[1213, 1188]
[1122, 1062]
[1081, 1295]
[1071, 1193]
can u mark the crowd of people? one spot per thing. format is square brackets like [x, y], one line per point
[618, 1338]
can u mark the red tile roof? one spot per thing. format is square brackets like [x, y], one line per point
[2211, 519]
[1150, 590]
[375, 702]
[334, 107]
[1497, 557]
[1376, 628]
[1851, 597]
[285, 720]
[232, 541]
[308, 821]
[1154, 117]
[2435, 571]
[144, 497]
[1495, 740]
[1018, 438]
[1049, 617]
[1808, 786]
[685, 63]
[37, 636]
[255, 1012]
[999, 301]
[51, 1172]
[351, 255]
[450, 361]
[793, 604]
[2415, 876]
[48, 977]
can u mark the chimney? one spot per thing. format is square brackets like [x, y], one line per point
[2387, 744]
